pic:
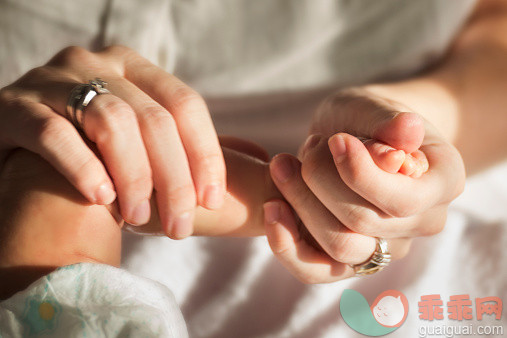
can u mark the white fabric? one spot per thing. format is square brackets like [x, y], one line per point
[92, 300]
[254, 61]
[235, 288]
[263, 65]
[230, 47]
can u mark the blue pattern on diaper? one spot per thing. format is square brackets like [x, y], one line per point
[40, 315]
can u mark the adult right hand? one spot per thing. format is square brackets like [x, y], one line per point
[345, 199]
[154, 132]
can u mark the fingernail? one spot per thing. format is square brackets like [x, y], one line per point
[213, 196]
[338, 147]
[141, 214]
[183, 226]
[271, 212]
[284, 168]
[311, 142]
[105, 194]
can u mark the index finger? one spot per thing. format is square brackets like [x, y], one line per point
[193, 121]
[303, 261]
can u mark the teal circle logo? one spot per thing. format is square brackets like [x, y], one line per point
[387, 313]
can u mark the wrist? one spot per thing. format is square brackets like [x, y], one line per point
[47, 223]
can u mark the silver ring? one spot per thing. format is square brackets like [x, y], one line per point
[379, 260]
[80, 97]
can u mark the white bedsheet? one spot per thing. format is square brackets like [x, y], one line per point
[234, 287]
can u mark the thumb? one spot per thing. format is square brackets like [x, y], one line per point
[364, 114]
[404, 131]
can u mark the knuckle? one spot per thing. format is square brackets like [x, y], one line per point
[86, 171]
[343, 98]
[187, 100]
[208, 161]
[278, 247]
[143, 182]
[435, 227]
[8, 95]
[120, 56]
[360, 219]
[13, 110]
[71, 56]
[357, 176]
[35, 75]
[156, 117]
[115, 107]
[341, 248]
[182, 195]
[301, 198]
[114, 116]
[117, 49]
[117, 57]
[50, 130]
[403, 209]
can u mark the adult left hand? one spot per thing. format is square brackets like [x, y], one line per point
[345, 200]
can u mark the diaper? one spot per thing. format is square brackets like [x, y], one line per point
[92, 300]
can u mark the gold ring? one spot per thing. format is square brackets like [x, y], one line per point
[378, 260]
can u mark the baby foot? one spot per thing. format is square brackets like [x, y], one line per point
[397, 161]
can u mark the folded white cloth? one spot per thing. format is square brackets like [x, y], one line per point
[92, 300]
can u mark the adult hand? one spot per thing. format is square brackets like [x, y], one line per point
[153, 132]
[345, 200]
